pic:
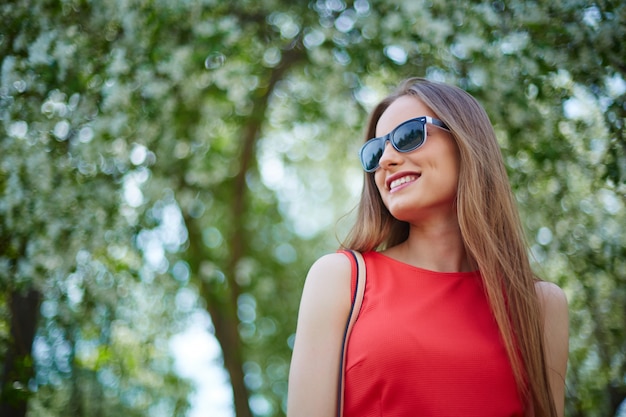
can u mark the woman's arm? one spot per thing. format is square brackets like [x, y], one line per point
[324, 309]
[556, 338]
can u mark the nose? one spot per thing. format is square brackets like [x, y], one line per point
[390, 156]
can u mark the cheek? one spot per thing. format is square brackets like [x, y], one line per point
[453, 162]
[456, 169]
[379, 180]
[450, 181]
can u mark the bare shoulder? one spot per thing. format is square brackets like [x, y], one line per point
[327, 285]
[328, 281]
[555, 318]
[322, 318]
[554, 308]
[331, 266]
[551, 297]
[326, 297]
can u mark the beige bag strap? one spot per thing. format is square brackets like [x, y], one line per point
[352, 317]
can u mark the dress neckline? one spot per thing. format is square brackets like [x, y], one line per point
[459, 274]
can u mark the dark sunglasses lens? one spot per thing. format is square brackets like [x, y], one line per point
[409, 136]
[406, 138]
[370, 155]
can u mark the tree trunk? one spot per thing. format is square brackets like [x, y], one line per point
[221, 299]
[18, 367]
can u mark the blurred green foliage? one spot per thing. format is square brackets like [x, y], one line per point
[157, 152]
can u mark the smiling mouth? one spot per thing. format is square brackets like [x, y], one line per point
[403, 180]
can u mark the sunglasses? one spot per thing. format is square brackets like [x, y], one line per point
[406, 137]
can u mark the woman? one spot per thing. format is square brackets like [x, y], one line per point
[453, 320]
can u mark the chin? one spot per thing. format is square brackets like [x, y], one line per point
[404, 214]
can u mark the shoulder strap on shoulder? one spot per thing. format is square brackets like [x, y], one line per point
[352, 317]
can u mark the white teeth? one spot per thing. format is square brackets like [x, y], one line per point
[402, 180]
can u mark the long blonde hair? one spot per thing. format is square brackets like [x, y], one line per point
[490, 227]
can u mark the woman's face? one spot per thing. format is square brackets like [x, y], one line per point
[421, 185]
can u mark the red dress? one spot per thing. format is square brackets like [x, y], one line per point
[426, 344]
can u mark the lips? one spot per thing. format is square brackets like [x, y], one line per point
[398, 181]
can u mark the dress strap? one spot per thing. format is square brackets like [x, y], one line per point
[357, 287]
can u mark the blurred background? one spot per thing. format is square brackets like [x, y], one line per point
[169, 170]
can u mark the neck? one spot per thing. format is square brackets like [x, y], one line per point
[436, 247]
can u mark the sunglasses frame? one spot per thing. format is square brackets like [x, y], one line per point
[424, 120]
